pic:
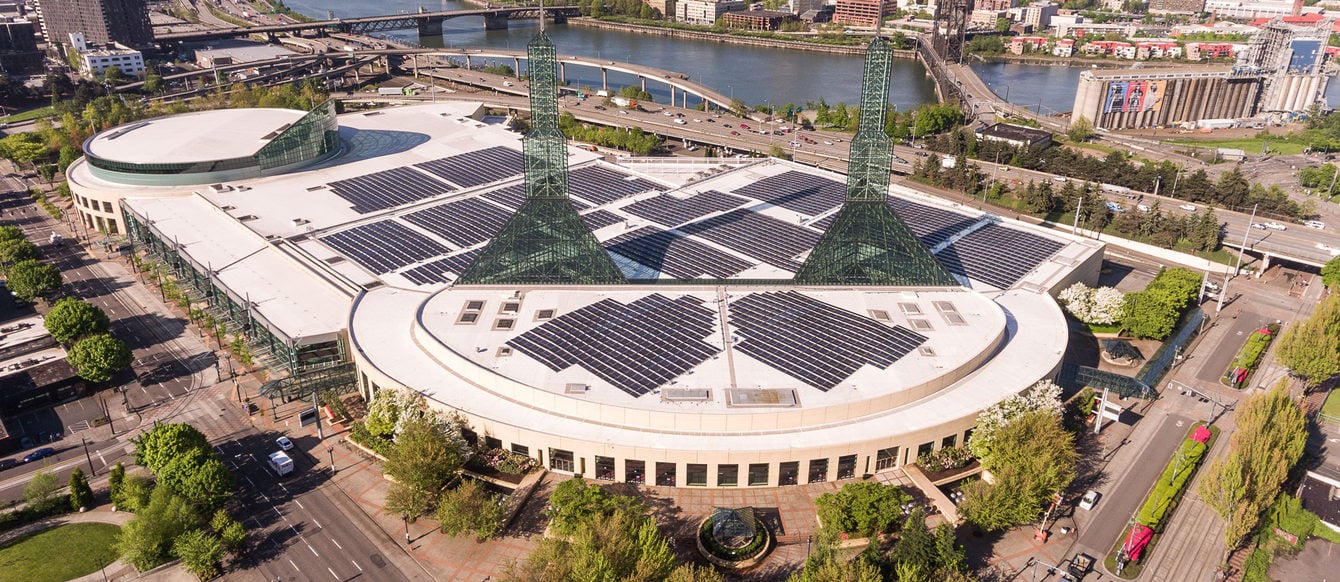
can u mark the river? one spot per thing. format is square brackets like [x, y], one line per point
[754, 74]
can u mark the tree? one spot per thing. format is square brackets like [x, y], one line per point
[231, 532]
[915, 544]
[1002, 25]
[153, 83]
[469, 508]
[164, 442]
[81, 495]
[97, 358]
[31, 279]
[146, 540]
[200, 552]
[14, 251]
[865, 508]
[575, 505]
[1311, 348]
[1044, 395]
[135, 493]
[408, 502]
[826, 564]
[40, 492]
[625, 546]
[423, 457]
[68, 155]
[70, 319]
[23, 148]
[1268, 441]
[1330, 272]
[1033, 458]
[1081, 129]
[11, 232]
[200, 477]
[116, 479]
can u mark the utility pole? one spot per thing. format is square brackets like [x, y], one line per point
[1237, 268]
[319, 433]
[1078, 208]
[91, 471]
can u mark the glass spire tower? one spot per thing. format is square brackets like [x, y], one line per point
[867, 243]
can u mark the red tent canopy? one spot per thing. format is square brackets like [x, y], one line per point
[1137, 540]
[1201, 435]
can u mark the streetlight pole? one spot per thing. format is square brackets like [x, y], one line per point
[405, 517]
[91, 471]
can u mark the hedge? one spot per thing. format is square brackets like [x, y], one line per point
[1253, 350]
[1169, 486]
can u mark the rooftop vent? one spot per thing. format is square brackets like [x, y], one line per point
[300, 222]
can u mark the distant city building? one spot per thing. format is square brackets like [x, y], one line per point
[757, 19]
[1022, 44]
[1110, 48]
[97, 59]
[18, 47]
[994, 4]
[862, 12]
[818, 16]
[803, 6]
[1221, 27]
[666, 7]
[703, 12]
[985, 18]
[1176, 6]
[1067, 19]
[1088, 28]
[1157, 50]
[1064, 47]
[1039, 14]
[101, 21]
[1253, 9]
[1196, 51]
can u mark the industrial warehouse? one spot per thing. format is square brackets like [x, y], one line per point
[753, 322]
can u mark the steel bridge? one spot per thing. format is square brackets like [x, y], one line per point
[427, 23]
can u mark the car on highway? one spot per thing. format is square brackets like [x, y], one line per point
[710, 120]
[668, 113]
[1116, 207]
[727, 125]
[743, 126]
[8, 463]
[1258, 226]
[601, 108]
[681, 121]
[735, 133]
[826, 142]
[1003, 168]
[922, 154]
[623, 112]
[1317, 224]
[41, 453]
[1089, 500]
[1275, 226]
[284, 443]
[1142, 208]
[1188, 207]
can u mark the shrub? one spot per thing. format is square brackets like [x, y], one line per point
[864, 508]
[1171, 483]
[1254, 349]
[359, 433]
[945, 459]
[505, 461]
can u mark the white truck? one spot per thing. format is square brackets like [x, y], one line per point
[281, 463]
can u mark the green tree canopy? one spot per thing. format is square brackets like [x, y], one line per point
[575, 505]
[81, 495]
[1330, 272]
[31, 279]
[40, 492]
[200, 477]
[470, 509]
[200, 552]
[11, 232]
[424, 457]
[865, 508]
[1311, 348]
[14, 251]
[71, 319]
[1033, 459]
[146, 540]
[97, 358]
[1081, 129]
[23, 148]
[624, 546]
[164, 442]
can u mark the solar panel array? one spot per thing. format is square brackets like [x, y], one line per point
[435, 272]
[773, 241]
[932, 225]
[387, 189]
[463, 223]
[384, 246]
[636, 346]
[679, 257]
[601, 185]
[512, 197]
[798, 191]
[672, 211]
[600, 219]
[815, 342]
[478, 167]
[998, 256]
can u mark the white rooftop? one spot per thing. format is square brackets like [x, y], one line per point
[192, 137]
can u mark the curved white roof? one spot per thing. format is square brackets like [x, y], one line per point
[192, 137]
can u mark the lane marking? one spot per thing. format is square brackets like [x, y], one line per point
[318, 524]
[332, 573]
[295, 566]
[299, 503]
[337, 544]
[360, 568]
[309, 546]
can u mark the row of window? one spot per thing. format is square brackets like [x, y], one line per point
[93, 204]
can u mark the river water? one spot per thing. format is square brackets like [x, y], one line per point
[754, 74]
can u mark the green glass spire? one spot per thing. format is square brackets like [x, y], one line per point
[546, 240]
[867, 243]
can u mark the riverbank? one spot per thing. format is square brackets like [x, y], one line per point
[728, 38]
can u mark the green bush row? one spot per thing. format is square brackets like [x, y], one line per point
[1171, 483]
[359, 433]
[1254, 349]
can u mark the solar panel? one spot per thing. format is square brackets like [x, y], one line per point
[932, 225]
[436, 271]
[636, 346]
[815, 342]
[679, 257]
[798, 191]
[512, 197]
[600, 185]
[600, 219]
[388, 189]
[996, 255]
[672, 211]
[753, 234]
[382, 247]
[478, 167]
[464, 223]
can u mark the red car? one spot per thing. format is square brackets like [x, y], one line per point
[735, 133]
[743, 126]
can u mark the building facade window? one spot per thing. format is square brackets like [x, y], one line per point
[604, 468]
[560, 460]
[665, 474]
[521, 449]
[695, 474]
[492, 443]
[758, 474]
[728, 475]
[886, 458]
[788, 473]
[847, 467]
[635, 471]
[818, 471]
[949, 442]
[925, 449]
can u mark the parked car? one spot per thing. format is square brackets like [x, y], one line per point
[41, 453]
[284, 443]
[1089, 500]
[1188, 207]
[1116, 207]
[1142, 208]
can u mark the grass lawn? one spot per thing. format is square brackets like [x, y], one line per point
[1251, 145]
[1331, 407]
[38, 113]
[57, 554]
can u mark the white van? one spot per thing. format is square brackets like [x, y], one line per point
[1317, 224]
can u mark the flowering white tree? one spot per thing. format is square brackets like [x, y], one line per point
[1077, 300]
[1106, 307]
[385, 410]
[1045, 395]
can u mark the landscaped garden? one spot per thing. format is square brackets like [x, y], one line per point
[1249, 357]
[62, 553]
